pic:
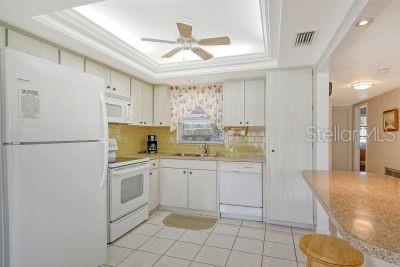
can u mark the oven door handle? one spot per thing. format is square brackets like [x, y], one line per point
[129, 170]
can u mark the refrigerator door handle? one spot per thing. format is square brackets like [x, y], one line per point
[105, 139]
[104, 116]
[105, 165]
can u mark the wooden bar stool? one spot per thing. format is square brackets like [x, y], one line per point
[323, 250]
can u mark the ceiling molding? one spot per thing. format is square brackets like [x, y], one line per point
[76, 26]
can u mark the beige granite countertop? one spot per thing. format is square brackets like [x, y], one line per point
[233, 158]
[364, 207]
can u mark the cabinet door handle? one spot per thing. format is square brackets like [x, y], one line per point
[247, 122]
[273, 150]
[154, 164]
[140, 122]
[160, 122]
[144, 122]
[151, 173]
[240, 122]
[184, 172]
[114, 89]
[190, 172]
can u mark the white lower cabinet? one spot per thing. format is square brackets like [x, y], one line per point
[153, 177]
[174, 187]
[192, 187]
[203, 190]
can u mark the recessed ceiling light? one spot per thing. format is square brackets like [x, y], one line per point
[363, 22]
[362, 85]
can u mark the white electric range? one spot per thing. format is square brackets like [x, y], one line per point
[128, 192]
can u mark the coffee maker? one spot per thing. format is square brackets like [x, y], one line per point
[151, 144]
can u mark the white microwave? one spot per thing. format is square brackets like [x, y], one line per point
[119, 108]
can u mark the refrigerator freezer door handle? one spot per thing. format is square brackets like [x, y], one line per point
[105, 139]
[104, 116]
[105, 164]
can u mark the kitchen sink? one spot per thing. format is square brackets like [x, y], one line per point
[194, 155]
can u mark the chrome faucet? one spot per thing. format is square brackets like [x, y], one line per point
[205, 147]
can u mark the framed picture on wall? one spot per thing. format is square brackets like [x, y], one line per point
[391, 120]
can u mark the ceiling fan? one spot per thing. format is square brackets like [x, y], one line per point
[187, 42]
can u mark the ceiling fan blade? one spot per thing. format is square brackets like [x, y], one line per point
[215, 41]
[172, 53]
[158, 40]
[202, 53]
[184, 30]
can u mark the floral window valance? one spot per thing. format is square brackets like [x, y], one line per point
[184, 99]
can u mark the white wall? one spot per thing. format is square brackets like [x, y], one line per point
[2, 263]
[2, 37]
[342, 150]
[321, 113]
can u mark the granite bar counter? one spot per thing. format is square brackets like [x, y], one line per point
[364, 207]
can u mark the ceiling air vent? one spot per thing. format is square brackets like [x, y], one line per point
[304, 38]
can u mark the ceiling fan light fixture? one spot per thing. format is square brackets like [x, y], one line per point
[362, 85]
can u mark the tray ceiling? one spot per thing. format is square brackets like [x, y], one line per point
[131, 20]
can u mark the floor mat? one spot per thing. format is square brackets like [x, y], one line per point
[190, 222]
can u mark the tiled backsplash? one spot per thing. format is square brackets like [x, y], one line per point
[238, 141]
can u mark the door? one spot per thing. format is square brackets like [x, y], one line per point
[31, 46]
[241, 189]
[120, 83]
[99, 71]
[129, 189]
[137, 95]
[153, 198]
[72, 61]
[233, 108]
[162, 109]
[174, 187]
[254, 103]
[47, 102]
[203, 190]
[147, 104]
[56, 205]
[289, 114]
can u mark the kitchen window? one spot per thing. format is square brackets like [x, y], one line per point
[198, 128]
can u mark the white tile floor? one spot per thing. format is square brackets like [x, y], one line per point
[231, 243]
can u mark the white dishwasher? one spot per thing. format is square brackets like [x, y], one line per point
[240, 190]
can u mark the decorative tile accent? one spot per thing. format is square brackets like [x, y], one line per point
[132, 140]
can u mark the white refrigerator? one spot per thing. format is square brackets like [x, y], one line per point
[54, 164]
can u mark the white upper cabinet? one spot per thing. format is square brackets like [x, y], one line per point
[244, 103]
[98, 70]
[137, 95]
[233, 103]
[72, 61]
[31, 46]
[120, 83]
[2, 37]
[147, 104]
[254, 96]
[162, 109]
